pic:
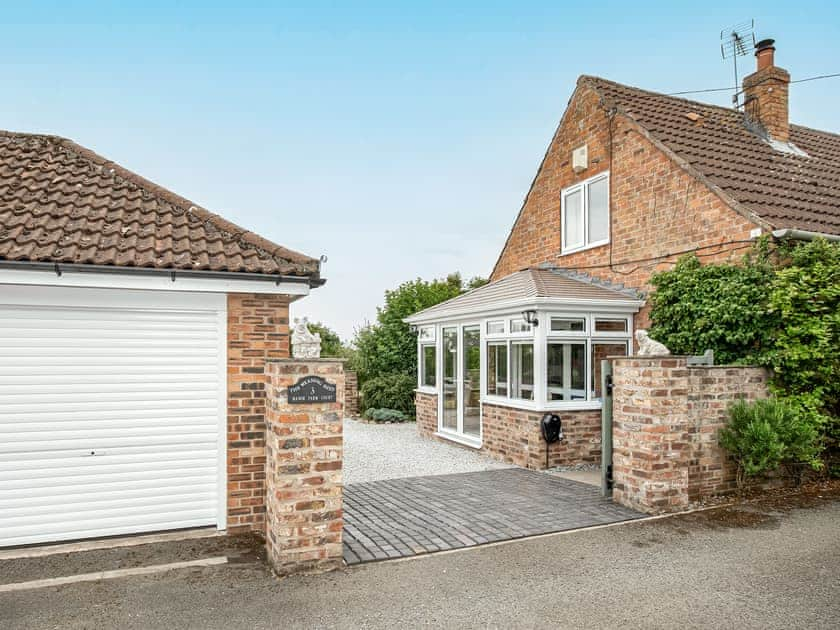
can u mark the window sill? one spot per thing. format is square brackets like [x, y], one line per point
[460, 439]
[583, 248]
[425, 390]
[530, 405]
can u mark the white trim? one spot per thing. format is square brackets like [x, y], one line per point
[459, 438]
[426, 390]
[583, 187]
[155, 282]
[528, 405]
[221, 516]
[513, 308]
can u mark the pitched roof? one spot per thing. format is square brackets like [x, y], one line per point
[523, 286]
[62, 203]
[783, 189]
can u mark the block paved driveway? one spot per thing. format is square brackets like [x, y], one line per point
[397, 518]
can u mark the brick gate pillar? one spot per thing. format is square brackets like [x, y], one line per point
[651, 433]
[303, 467]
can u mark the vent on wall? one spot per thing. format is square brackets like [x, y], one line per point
[580, 159]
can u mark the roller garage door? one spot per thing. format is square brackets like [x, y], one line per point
[112, 411]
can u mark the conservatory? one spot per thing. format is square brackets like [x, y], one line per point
[493, 360]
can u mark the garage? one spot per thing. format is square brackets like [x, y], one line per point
[112, 412]
[135, 327]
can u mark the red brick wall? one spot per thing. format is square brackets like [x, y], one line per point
[711, 390]
[666, 419]
[258, 329]
[427, 410]
[657, 208]
[351, 394]
[513, 435]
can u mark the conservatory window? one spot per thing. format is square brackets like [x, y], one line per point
[496, 327]
[497, 369]
[616, 325]
[428, 365]
[568, 324]
[522, 371]
[601, 350]
[566, 370]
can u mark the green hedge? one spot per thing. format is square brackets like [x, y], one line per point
[390, 391]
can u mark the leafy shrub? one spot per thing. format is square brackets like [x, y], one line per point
[805, 355]
[385, 415]
[779, 309]
[390, 391]
[765, 434]
[720, 307]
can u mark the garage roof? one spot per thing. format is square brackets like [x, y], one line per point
[63, 203]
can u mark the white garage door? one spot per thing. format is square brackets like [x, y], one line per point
[112, 411]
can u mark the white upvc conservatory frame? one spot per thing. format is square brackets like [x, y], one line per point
[539, 335]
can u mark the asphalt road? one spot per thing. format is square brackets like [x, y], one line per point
[750, 569]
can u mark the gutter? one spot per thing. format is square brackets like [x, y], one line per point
[173, 274]
[804, 235]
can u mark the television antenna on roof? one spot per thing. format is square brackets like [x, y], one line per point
[737, 41]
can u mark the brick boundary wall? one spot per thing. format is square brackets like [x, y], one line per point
[666, 419]
[304, 450]
[351, 394]
[257, 330]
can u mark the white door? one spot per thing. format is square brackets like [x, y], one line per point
[112, 412]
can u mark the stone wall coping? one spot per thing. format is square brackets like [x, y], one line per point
[684, 357]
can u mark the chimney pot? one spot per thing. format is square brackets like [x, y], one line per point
[764, 54]
[766, 93]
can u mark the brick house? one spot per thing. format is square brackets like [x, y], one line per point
[134, 331]
[631, 181]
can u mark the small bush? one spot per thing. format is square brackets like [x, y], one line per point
[391, 391]
[766, 434]
[385, 415]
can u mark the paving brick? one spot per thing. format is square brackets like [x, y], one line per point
[405, 517]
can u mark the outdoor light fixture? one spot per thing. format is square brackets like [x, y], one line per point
[413, 329]
[530, 317]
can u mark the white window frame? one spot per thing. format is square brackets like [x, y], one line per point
[421, 361]
[587, 372]
[583, 187]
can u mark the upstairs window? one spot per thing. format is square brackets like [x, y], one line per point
[585, 214]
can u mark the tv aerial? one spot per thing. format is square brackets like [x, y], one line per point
[737, 41]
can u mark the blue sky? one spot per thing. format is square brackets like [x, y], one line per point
[399, 139]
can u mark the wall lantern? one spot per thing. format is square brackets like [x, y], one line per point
[530, 317]
[413, 329]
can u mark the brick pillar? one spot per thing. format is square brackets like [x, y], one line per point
[303, 470]
[351, 394]
[651, 433]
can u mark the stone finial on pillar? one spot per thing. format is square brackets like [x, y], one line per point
[305, 344]
[304, 451]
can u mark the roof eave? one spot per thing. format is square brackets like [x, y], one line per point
[541, 303]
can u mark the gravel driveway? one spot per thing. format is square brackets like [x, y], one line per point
[388, 451]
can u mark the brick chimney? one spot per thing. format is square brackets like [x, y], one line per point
[766, 94]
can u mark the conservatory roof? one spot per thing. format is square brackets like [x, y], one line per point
[534, 286]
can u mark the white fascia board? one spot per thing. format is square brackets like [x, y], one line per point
[628, 306]
[152, 282]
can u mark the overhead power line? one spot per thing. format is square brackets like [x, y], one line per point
[727, 89]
